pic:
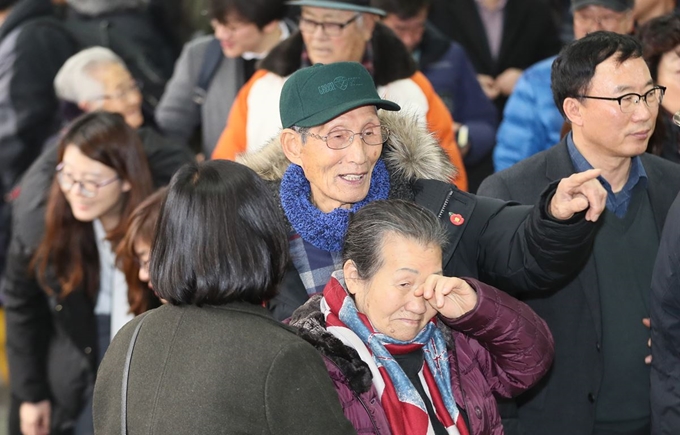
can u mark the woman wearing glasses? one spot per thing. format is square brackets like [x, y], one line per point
[62, 314]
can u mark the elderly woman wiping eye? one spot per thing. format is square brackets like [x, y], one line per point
[433, 350]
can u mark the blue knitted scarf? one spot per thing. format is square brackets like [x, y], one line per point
[325, 231]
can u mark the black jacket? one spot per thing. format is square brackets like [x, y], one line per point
[564, 401]
[33, 46]
[51, 343]
[391, 60]
[665, 315]
[511, 247]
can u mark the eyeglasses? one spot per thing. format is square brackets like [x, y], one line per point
[340, 139]
[143, 264]
[328, 28]
[122, 92]
[607, 21]
[87, 188]
[628, 103]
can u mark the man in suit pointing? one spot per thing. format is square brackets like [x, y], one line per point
[599, 383]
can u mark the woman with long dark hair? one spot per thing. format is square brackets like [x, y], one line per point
[64, 296]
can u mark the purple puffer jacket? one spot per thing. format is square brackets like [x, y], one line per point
[501, 347]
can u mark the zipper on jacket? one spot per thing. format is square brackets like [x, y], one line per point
[446, 204]
[368, 411]
[358, 397]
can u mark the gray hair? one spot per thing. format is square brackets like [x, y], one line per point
[74, 81]
[369, 227]
[302, 131]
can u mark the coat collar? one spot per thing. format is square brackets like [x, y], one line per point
[391, 60]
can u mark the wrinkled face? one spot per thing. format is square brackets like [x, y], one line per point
[120, 93]
[106, 205]
[608, 131]
[388, 299]
[340, 178]
[237, 36]
[593, 18]
[348, 46]
[143, 252]
[409, 30]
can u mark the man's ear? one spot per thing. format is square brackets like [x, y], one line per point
[352, 279]
[291, 143]
[572, 109]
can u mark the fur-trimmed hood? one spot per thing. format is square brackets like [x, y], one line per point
[310, 324]
[411, 153]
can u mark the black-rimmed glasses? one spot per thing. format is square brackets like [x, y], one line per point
[340, 139]
[87, 188]
[629, 102]
[328, 28]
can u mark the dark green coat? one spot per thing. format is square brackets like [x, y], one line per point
[216, 370]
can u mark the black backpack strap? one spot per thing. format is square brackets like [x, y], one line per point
[126, 376]
[211, 61]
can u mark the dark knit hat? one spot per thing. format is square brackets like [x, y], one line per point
[313, 96]
[345, 5]
[615, 5]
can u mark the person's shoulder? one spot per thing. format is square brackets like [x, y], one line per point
[659, 162]
[541, 69]
[514, 182]
[523, 169]
[668, 171]
[200, 42]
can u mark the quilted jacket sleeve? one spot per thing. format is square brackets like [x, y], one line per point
[511, 343]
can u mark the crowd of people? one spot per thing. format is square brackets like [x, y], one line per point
[408, 217]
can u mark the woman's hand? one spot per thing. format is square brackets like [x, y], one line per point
[451, 297]
[35, 418]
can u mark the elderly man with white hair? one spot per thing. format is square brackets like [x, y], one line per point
[98, 79]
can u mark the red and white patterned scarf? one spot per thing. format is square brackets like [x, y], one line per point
[403, 405]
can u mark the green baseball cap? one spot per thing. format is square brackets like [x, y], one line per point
[313, 96]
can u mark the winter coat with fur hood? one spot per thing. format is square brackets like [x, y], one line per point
[500, 347]
[509, 246]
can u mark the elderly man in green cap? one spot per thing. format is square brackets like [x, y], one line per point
[336, 31]
[343, 146]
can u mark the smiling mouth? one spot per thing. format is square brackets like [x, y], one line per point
[352, 177]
